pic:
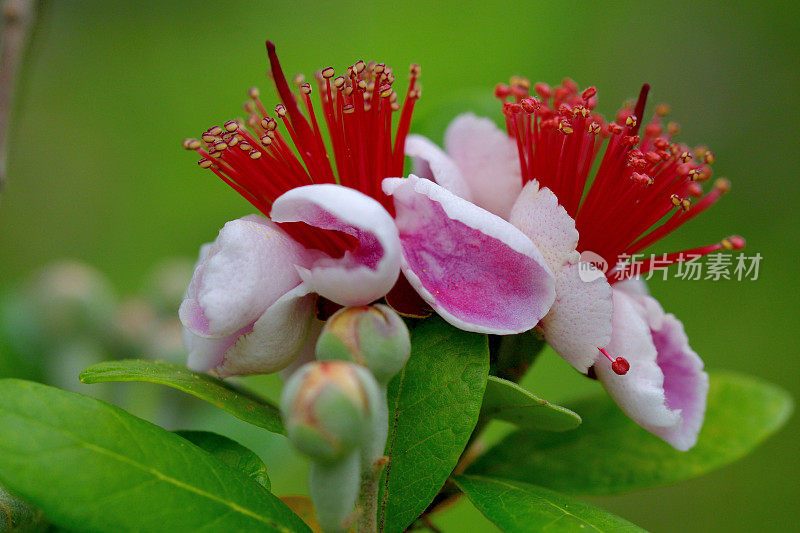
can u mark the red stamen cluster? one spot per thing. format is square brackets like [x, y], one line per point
[643, 184]
[255, 159]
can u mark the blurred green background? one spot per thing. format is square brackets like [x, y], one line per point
[97, 174]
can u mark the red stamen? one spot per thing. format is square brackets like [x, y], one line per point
[620, 365]
[631, 201]
[261, 165]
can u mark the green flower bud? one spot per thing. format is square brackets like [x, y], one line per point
[372, 336]
[327, 407]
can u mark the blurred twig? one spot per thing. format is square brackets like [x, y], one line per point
[17, 21]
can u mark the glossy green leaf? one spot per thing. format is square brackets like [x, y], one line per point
[91, 466]
[519, 507]
[240, 404]
[433, 408]
[508, 401]
[610, 454]
[18, 516]
[231, 453]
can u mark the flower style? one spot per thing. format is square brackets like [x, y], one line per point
[640, 193]
[339, 229]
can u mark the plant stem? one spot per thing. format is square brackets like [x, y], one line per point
[372, 463]
[17, 21]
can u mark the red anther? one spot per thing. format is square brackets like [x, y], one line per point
[735, 242]
[570, 85]
[631, 140]
[615, 129]
[589, 93]
[530, 105]
[652, 157]
[620, 366]
[661, 143]
[642, 179]
[653, 130]
[543, 90]
[502, 91]
[561, 94]
[694, 190]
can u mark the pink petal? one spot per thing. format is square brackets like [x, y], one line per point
[362, 275]
[430, 162]
[579, 322]
[243, 272]
[538, 214]
[475, 269]
[665, 389]
[488, 161]
[276, 337]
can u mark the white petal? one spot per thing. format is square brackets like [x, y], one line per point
[361, 275]
[579, 322]
[430, 162]
[475, 269]
[309, 351]
[538, 214]
[640, 392]
[488, 160]
[685, 381]
[276, 338]
[251, 264]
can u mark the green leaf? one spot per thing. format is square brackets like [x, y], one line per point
[18, 516]
[508, 401]
[515, 506]
[91, 466]
[433, 408]
[610, 454]
[240, 404]
[231, 453]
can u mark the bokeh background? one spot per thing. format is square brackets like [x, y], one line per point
[97, 174]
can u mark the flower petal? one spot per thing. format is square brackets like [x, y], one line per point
[308, 352]
[640, 392]
[276, 337]
[475, 269]
[665, 389]
[205, 353]
[430, 162]
[579, 322]
[361, 275]
[633, 286]
[247, 268]
[488, 160]
[540, 217]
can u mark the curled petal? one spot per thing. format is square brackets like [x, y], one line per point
[205, 353]
[275, 338]
[361, 275]
[579, 322]
[540, 217]
[488, 161]
[248, 267]
[430, 162]
[475, 269]
[666, 387]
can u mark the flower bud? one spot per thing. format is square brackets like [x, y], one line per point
[372, 336]
[327, 408]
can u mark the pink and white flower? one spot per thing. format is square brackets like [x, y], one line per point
[337, 228]
[540, 182]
